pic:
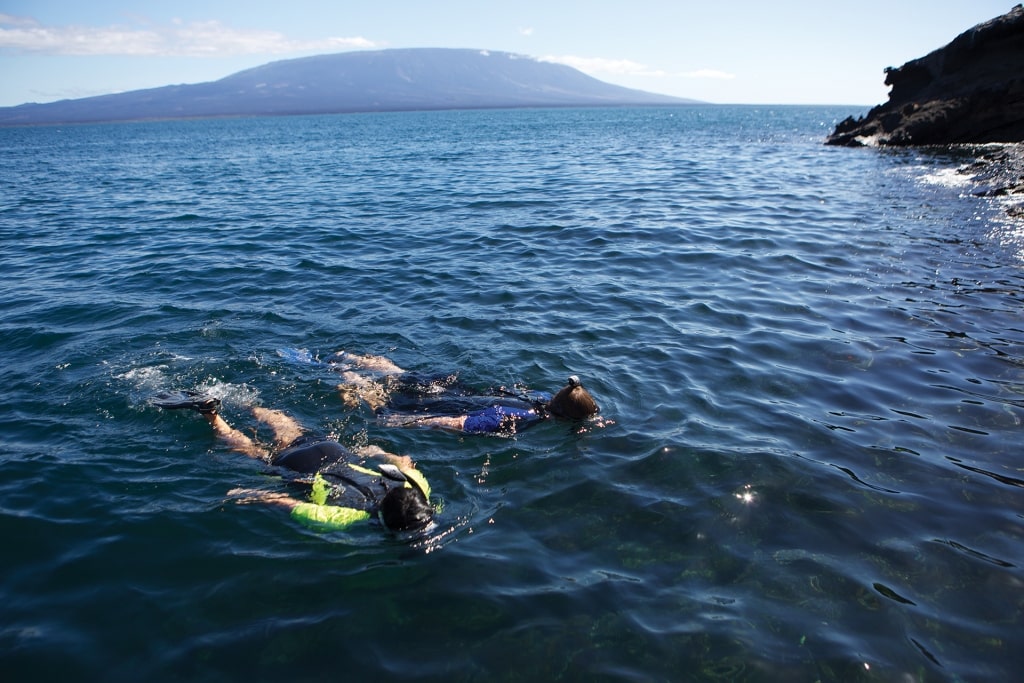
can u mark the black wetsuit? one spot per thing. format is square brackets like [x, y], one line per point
[352, 485]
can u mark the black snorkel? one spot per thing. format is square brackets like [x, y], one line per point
[394, 473]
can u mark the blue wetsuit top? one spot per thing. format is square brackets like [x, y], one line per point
[499, 419]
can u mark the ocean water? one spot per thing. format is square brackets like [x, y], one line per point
[809, 362]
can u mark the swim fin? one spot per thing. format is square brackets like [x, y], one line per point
[175, 400]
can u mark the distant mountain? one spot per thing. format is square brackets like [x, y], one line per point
[385, 80]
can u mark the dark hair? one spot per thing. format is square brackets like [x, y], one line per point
[573, 401]
[405, 509]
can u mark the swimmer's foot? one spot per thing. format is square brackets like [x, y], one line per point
[176, 400]
[379, 364]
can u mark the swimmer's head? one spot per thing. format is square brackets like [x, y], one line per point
[405, 509]
[573, 401]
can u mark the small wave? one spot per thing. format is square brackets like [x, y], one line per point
[152, 376]
[946, 177]
[228, 393]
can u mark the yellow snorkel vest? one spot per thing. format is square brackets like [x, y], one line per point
[316, 514]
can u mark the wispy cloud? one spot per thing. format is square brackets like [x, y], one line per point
[195, 39]
[9, 20]
[713, 74]
[596, 65]
[625, 67]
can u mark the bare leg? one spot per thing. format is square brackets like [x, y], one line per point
[358, 388]
[361, 375]
[374, 363]
[235, 439]
[285, 428]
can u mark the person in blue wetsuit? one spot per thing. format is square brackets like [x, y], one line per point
[403, 399]
[505, 414]
[344, 487]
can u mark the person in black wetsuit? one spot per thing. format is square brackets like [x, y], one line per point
[403, 399]
[345, 487]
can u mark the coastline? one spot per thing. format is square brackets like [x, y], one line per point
[999, 172]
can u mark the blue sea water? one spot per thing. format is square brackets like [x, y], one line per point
[809, 362]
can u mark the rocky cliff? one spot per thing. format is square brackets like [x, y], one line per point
[970, 91]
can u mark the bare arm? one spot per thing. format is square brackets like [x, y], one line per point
[455, 423]
[402, 462]
[269, 497]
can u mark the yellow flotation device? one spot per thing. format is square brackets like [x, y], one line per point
[322, 517]
[328, 517]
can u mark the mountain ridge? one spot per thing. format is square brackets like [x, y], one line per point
[408, 79]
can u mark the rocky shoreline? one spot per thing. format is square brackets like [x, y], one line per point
[999, 172]
[969, 92]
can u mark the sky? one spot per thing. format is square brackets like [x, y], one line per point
[720, 51]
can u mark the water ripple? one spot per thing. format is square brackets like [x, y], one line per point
[808, 360]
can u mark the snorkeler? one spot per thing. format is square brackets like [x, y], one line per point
[344, 487]
[402, 399]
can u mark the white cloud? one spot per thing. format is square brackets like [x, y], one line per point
[527, 31]
[596, 65]
[196, 39]
[625, 67]
[713, 74]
